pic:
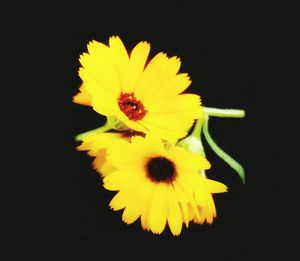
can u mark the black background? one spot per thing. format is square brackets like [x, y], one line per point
[237, 56]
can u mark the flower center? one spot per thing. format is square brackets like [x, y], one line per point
[131, 106]
[161, 169]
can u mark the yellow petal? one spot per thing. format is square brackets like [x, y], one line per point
[138, 58]
[209, 215]
[176, 85]
[145, 219]
[188, 160]
[202, 212]
[209, 185]
[83, 97]
[98, 49]
[119, 200]
[101, 165]
[131, 213]
[213, 186]
[192, 215]
[159, 208]
[121, 61]
[174, 215]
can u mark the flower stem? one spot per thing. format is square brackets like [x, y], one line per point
[198, 127]
[202, 126]
[109, 124]
[224, 113]
[222, 154]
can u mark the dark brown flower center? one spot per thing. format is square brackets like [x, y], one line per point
[131, 106]
[161, 169]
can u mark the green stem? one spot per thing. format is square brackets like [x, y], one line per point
[198, 127]
[224, 113]
[107, 126]
[222, 154]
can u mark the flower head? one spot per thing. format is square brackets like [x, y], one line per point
[160, 184]
[146, 98]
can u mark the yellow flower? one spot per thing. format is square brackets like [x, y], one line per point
[160, 184]
[146, 97]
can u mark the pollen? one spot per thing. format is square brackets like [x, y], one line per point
[131, 106]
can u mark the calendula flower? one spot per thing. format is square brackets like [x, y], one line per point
[145, 96]
[160, 183]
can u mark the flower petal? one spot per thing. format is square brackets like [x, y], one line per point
[83, 97]
[121, 61]
[138, 58]
[159, 208]
[101, 165]
[176, 85]
[174, 214]
[188, 160]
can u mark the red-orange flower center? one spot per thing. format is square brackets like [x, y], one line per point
[131, 106]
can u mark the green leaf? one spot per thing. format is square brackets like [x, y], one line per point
[222, 154]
